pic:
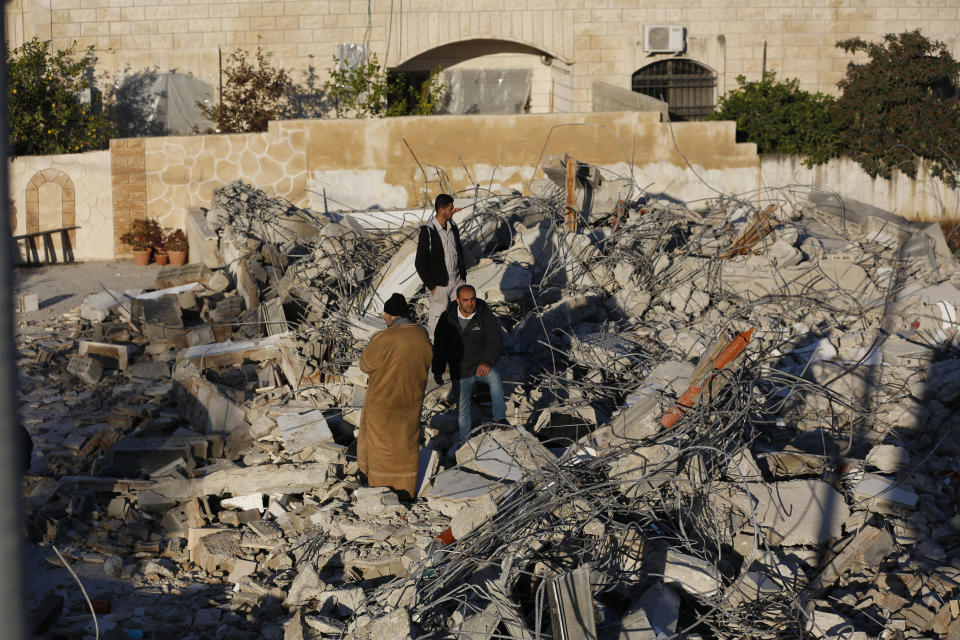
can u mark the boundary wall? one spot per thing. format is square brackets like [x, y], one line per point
[399, 163]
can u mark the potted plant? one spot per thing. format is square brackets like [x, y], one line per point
[140, 240]
[177, 247]
[159, 245]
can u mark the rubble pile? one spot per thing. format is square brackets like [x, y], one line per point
[735, 422]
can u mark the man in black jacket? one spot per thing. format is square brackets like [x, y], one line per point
[468, 338]
[439, 260]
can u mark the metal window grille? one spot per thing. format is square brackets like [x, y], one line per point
[686, 86]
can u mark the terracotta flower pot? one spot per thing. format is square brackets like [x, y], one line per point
[161, 258]
[142, 258]
[177, 258]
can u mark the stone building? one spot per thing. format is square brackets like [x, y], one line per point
[501, 56]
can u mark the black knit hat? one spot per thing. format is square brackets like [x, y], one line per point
[396, 306]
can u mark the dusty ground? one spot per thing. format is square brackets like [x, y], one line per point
[63, 287]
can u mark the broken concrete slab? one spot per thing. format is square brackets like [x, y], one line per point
[496, 282]
[790, 513]
[204, 405]
[888, 458]
[265, 478]
[188, 274]
[28, 303]
[97, 307]
[505, 454]
[653, 616]
[640, 418]
[272, 317]
[299, 431]
[453, 488]
[246, 285]
[224, 354]
[644, 469]
[163, 321]
[885, 495]
[115, 356]
[86, 369]
[694, 575]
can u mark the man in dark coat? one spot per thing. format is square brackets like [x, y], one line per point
[439, 259]
[469, 339]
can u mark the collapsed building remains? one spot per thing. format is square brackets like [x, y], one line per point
[730, 422]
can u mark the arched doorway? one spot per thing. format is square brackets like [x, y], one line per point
[488, 76]
[687, 86]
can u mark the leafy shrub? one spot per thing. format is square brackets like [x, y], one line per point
[901, 105]
[177, 241]
[46, 113]
[781, 118]
[253, 94]
[368, 91]
[143, 234]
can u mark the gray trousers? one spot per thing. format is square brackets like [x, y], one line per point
[439, 299]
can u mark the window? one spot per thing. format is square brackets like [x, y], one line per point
[686, 86]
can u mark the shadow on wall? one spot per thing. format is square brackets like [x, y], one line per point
[307, 99]
[150, 103]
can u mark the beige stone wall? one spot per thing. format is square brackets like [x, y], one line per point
[601, 39]
[183, 171]
[403, 162]
[924, 198]
[54, 180]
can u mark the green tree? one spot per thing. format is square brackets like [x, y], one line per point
[901, 105]
[47, 112]
[357, 91]
[406, 98]
[368, 91]
[781, 118]
[253, 94]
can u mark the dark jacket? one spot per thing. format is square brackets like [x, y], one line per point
[464, 351]
[431, 266]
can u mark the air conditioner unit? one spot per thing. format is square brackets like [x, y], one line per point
[663, 38]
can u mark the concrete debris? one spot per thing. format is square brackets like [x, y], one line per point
[694, 575]
[196, 438]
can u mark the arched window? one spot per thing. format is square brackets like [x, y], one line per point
[685, 85]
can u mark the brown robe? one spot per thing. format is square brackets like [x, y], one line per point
[388, 448]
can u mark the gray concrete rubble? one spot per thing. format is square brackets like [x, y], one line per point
[736, 421]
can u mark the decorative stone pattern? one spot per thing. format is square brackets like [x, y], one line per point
[602, 40]
[366, 163]
[129, 187]
[65, 190]
[68, 200]
[183, 171]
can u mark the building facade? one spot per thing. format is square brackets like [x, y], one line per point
[501, 56]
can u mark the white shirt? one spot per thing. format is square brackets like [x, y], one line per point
[449, 250]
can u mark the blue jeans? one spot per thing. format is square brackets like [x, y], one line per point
[464, 419]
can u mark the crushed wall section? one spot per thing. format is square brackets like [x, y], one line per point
[922, 198]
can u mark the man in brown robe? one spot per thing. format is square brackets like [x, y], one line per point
[397, 360]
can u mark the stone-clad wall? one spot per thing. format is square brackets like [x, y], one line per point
[361, 164]
[601, 39]
[183, 171]
[51, 192]
[129, 187]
